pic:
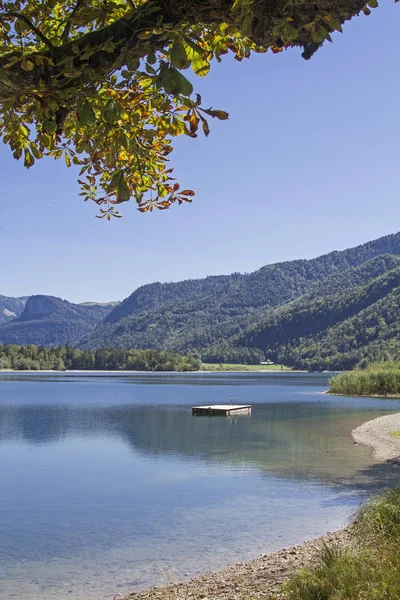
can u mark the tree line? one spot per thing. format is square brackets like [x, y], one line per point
[62, 358]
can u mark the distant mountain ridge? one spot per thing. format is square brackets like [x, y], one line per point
[290, 312]
[51, 321]
[10, 308]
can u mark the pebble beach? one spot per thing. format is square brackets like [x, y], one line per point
[261, 578]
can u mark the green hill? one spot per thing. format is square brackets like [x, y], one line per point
[336, 331]
[200, 314]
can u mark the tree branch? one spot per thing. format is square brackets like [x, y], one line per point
[67, 30]
[27, 21]
[124, 36]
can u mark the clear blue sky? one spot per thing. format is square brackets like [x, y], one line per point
[307, 163]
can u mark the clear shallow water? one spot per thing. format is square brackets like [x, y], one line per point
[108, 484]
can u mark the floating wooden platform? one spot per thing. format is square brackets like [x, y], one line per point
[222, 409]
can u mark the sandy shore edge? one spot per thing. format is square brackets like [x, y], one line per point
[260, 578]
[380, 435]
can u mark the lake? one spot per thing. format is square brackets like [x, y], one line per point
[109, 485]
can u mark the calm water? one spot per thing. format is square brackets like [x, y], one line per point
[108, 484]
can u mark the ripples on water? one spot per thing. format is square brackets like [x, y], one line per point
[108, 483]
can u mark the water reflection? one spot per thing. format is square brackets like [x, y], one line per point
[110, 481]
[305, 440]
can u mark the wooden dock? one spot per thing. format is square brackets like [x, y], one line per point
[226, 410]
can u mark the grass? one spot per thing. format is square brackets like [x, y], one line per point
[234, 367]
[381, 379]
[370, 570]
[395, 434]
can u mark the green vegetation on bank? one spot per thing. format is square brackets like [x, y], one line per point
[61, 358]
[369, 570]
[242, 367]
[381, 379]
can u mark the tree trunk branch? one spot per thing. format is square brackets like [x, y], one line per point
[29, 23]
[124, 34]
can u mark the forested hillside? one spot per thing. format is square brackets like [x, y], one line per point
[336, 330]
[200, 314]
[330, 312]
[50, 321]
[371, 335]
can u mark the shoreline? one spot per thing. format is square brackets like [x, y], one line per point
[376, 434]
[86, 371]
[260, 578]
[383, 396]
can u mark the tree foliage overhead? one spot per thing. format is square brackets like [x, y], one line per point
[100, 83]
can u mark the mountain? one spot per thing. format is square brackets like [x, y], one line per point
[198, 314]
[10, 308]
[110, 304]
[50, 321]
[330, 312]
[332, 330]
[372, 335]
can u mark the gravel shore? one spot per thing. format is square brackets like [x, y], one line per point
[257, 579]
[380, 434]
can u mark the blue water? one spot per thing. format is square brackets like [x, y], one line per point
[108, 484]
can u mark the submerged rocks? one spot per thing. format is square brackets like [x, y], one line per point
[258, 579]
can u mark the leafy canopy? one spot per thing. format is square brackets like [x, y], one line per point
[100, 83]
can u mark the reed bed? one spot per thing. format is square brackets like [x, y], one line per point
[381, 379]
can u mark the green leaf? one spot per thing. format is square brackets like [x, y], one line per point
[112, 112]
[27, 64]
[373, 3]
[115, 179]
[174, 82]
[289, 33]
[178, 55]
[150, 70]
[320, 34]
[28, 159]
[36, 152]
[333, 22]
[86, 114]
[123, 193]
[118, 184]
[201, 66]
